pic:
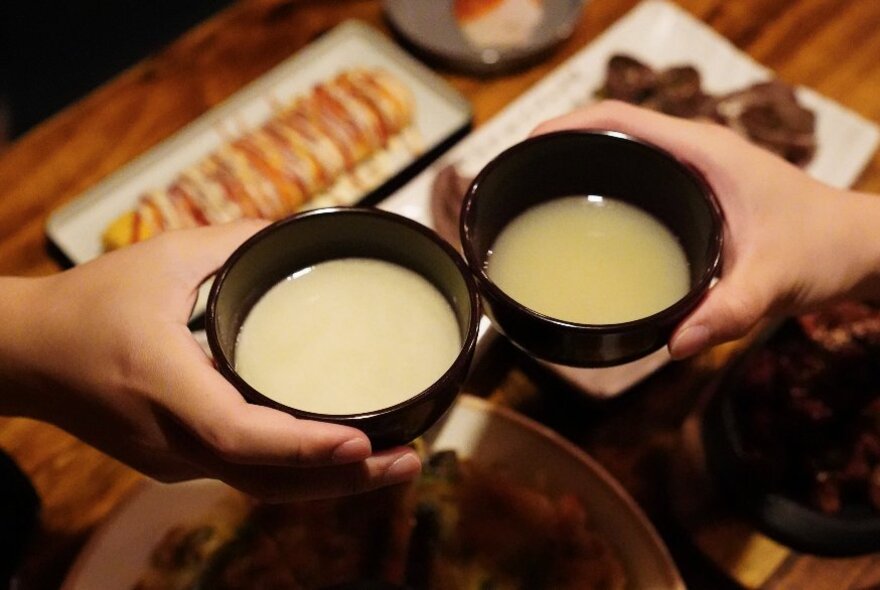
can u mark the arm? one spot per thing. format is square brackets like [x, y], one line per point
[103, 351]
[791, 243]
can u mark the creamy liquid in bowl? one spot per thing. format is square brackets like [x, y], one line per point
[348, 336]
[589, 260]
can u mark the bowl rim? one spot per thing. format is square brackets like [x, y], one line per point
[457, 367]
[675, 310]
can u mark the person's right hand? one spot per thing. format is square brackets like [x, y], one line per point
[791, 243]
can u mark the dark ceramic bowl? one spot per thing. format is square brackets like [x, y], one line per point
[325, 234]
[590, 163]
[855, 530]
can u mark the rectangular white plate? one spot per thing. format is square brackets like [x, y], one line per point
[661, 35]
[441, 114]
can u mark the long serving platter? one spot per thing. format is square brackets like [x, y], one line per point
[441, 117]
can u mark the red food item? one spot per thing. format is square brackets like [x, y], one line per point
[465, 10]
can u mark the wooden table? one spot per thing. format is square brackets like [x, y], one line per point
[828, 45]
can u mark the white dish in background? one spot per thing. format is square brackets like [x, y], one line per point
[440, 114]
[118, 552]
[661, 35]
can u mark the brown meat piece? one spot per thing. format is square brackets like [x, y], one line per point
[675, 91]
[628, 79]
[769, 114]
[849, 328]
[678, 92]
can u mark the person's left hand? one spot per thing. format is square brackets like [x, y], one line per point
[103, 351]
[791, 243]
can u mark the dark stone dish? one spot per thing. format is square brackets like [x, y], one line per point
[765, 490]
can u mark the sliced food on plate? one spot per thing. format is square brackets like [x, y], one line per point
[273, 170]
[767, 113]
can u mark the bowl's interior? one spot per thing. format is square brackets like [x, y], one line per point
[593, 163]
[317, 236]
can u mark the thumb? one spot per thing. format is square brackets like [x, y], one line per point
[731, 308]
[172, 266]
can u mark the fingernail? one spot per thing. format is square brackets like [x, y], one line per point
[355, 449]
[691, 341]
[403, 469]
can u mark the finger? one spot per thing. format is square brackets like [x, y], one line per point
[240, 432]
[731, 308]
[251, 434]
[280, 484]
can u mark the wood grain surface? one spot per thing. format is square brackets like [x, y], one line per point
[828, 45]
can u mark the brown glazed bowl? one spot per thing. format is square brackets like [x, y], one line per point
[602, 163]
[325, 234]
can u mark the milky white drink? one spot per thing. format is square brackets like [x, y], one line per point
[347, 336]
[589, 260]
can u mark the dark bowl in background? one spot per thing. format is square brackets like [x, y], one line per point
[776, 512]
[602, 163]
[429, 29]
[316, 236]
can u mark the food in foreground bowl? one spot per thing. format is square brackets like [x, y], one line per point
[275, 169]
[809, 409]
[590, 260]
[347, 336]
[460, 526]
[767, 113]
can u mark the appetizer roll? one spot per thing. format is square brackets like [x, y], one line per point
[273, 170]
